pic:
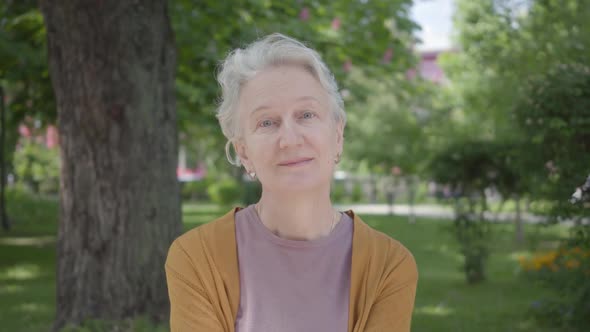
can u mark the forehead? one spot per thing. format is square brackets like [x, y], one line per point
[275, 86]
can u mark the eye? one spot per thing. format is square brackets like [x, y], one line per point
[265, 123]
[308, 115]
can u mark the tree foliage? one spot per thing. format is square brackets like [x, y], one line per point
[519, 63]
[23, 67]
[502, 43]
[386, 124]
[472, 167]
[554, 112]
[373, 36]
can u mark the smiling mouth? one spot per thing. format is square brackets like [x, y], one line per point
[295, 163]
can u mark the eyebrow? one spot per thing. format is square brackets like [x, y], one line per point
[304, 98]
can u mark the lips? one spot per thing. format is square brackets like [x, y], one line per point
[295, 162]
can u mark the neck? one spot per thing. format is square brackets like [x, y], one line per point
[298, 217]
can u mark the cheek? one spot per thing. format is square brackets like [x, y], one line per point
[260, 150]
[326, 145]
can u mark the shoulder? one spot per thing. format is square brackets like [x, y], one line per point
[383, 250]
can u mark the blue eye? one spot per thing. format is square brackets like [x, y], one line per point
[266, 123]
[308, 115]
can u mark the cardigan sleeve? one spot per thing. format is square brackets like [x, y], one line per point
[190, 307]
[393, 306]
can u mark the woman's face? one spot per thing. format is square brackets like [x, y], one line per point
[289, 135]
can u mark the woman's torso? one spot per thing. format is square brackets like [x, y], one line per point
[288, 285]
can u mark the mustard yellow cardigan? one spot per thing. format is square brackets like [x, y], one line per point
[204, 285]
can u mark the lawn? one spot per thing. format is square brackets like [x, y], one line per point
[444, 302]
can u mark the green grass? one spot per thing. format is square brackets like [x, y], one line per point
[27, 264]
[444, 301]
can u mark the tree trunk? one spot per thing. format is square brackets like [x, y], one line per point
[3, 214]
[112, 67]
[412, 184]
[519, 225]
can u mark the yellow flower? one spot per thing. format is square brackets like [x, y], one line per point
[572, 264]
[545, 259]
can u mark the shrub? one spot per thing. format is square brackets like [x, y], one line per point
[357, 193]
[195, 190]
[225, 192]
[470, 167]
[567, 271]
[37, 167]
[473, 238]
[553, 112]
[338, 191]
[252, 192]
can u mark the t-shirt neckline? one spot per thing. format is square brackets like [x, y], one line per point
[338, 231]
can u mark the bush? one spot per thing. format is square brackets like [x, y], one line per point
[37, 167]
[225, 192]
[357, 193]
[567, 271]
[470, 168]
[473, 238]
[553, 112]
[252, 192]
[195, 190]
[338, 191]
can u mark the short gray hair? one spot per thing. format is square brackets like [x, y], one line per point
[241, 65]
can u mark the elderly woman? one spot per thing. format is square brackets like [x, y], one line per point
[291, 262]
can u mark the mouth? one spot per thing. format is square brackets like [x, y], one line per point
[296, 162]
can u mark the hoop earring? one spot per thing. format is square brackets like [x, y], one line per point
[337, 159]
[252, 175]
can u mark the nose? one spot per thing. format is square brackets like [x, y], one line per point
[290, 135]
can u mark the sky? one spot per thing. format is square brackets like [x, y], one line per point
[435, 18]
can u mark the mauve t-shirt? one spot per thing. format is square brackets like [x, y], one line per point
[289, 285]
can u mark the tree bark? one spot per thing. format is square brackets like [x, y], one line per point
[518, 222]
[3, 214]
[112, 65]
[412, 184]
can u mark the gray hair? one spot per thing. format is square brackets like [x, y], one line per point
[241, 65]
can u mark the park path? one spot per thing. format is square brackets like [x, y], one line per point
[431, 211]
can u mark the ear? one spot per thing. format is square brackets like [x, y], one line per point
[242, 152]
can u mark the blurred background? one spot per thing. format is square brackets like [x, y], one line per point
[468, 140]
